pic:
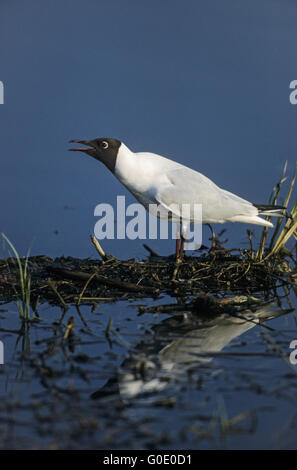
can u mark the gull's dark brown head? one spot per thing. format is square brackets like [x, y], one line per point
[104, 149]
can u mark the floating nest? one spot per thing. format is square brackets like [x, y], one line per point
[72, 280]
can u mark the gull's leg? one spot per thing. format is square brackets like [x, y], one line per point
[213, 237]
[179, 251]
[183, 238]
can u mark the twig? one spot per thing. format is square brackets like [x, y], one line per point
[54, 288]
[150, 250]
[108, 327]
[94, 298]
[81, 316]
[84, 288]
[69, 328]
[81, 276]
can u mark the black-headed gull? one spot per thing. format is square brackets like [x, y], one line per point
[154, 179]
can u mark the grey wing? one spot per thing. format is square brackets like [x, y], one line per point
[186, 186]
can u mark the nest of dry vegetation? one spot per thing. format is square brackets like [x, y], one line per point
[71, 280]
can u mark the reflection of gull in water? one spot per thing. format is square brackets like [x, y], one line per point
[176, 346]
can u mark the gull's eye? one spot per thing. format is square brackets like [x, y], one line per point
[104, 144]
